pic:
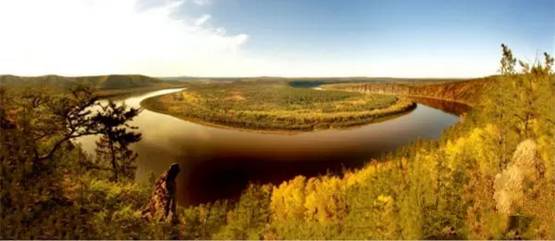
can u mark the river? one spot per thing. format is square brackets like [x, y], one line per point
[219, 162]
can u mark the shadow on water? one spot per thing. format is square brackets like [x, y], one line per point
[447, 106]
[219, 162]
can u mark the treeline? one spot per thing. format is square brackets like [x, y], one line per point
[463, 91]
[273, 105]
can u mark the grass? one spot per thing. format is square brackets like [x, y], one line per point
[275, 105]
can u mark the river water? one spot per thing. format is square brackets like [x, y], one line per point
[220, 162]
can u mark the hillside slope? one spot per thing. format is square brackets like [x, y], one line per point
[101, 82]
[465, 91]
[105, 85]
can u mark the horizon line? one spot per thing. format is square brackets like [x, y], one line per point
[248, 77]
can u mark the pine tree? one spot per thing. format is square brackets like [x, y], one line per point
[112, 149]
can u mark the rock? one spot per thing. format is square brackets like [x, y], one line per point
[162, 203]
[521, 173]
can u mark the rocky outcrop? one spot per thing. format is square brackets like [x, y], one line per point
[512, 184]
[162, 204]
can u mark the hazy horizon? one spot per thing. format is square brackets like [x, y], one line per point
[253, 77]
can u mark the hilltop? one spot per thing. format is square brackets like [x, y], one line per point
[99, 82]
[106, 85]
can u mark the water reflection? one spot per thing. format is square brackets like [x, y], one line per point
[218, 162]
[447, 106]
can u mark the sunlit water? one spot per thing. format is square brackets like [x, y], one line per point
[219, 162]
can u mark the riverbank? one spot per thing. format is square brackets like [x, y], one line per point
[122, 93]
[275, 106]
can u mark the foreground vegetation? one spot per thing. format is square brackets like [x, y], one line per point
[274, 105]
[491, 176]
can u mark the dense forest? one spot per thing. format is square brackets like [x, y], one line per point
[270, 104]
[490, 176]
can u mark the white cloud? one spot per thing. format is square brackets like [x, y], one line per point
[202, 19]
[202, 2]
[85, 37]
[104, 36]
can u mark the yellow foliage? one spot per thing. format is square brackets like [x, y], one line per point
[288, 200]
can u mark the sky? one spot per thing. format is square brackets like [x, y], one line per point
[289, 38]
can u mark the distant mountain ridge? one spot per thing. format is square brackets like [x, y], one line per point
[101, 82]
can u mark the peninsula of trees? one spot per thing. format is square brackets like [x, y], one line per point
[275, 105]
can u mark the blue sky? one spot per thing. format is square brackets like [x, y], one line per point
[360, 27]
[369, 30]
[341, 38]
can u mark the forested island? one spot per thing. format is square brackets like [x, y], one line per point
[490, 176]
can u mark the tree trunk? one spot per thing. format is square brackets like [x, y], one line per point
[114, 164]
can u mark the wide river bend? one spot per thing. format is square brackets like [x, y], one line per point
[220, 162]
